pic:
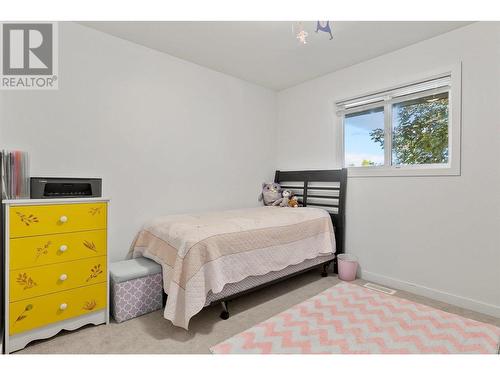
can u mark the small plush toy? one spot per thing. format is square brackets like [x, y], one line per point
[285, 198]
[271, 192]
[293, 202]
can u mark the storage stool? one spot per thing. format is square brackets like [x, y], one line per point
[136, 288]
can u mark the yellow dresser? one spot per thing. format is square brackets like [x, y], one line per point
[56, 267]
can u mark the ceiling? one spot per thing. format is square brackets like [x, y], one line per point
[267, 53]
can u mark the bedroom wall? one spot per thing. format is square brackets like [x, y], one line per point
[166, 136]
[437, 236]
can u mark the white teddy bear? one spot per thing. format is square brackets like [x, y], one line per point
[285, 197]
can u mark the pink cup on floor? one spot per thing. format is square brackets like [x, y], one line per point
[348, 265]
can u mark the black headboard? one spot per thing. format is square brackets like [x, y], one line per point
[321, 188]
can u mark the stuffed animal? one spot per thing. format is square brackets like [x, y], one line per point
[293, 202]
[285, 197]
[271, 192]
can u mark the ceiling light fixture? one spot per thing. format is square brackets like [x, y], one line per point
[301, 34]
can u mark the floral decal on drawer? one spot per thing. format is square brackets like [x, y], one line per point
[26, 281]
[24, 313]
[90, 245]
[44, 250]
[94, 272]
[89, 305]
[27, 219]
[95, 211]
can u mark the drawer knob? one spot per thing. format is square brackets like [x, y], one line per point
[63, 306]
[63, 277]
[63, 248]
[63, 219]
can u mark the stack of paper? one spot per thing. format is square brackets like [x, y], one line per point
[15, 174]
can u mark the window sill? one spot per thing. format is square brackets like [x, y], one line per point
[406, 171]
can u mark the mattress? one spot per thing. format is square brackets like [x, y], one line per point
[202, 253]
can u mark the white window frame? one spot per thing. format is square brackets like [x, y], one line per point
[452, 168]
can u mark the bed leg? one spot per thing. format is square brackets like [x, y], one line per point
[325, 269]
[224, 315]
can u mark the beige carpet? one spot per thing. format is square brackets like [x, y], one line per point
[153, 334]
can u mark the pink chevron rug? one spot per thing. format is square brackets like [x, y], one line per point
[351, 319]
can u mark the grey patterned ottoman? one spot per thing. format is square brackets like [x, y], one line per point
[136, 288]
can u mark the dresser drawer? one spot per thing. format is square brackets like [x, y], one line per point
[55, 248]
[39, 311]
[56, 218]
[37, 281]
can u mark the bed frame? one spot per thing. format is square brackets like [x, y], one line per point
[319, 188]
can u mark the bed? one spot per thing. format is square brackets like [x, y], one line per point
[214, 257]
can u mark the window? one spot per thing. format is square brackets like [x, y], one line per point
[420, 131]
[404, 131]
[361, 149]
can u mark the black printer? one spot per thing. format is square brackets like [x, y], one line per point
[59, 187]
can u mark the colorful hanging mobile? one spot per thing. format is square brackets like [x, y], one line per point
[300, 33]
[325, 27]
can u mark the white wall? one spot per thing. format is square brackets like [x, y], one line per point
[165, 135]
[438, 236]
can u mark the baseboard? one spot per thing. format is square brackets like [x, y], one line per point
[439, 295]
